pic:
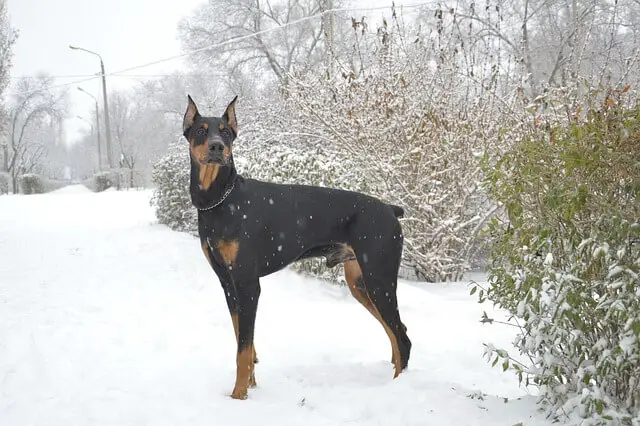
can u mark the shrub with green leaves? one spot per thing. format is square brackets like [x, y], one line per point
[566, 262]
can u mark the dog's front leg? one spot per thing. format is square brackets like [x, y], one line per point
[231, 296]
[248, 293]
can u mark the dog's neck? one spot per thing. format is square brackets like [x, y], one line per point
[203, 196]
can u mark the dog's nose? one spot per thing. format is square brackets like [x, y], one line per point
[216, 147]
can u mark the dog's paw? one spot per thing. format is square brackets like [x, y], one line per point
[239, 393]
[252, 381]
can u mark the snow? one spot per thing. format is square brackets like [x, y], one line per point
[108, 318]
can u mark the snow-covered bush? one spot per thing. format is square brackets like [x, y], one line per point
[5, 180]
[32, 184]
[403, 128]
[101, 181]
[171, 196]
[288, 157]
[415, 132]
[566, 261]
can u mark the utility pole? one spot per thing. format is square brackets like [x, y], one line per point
[328, 22]
[107, 122]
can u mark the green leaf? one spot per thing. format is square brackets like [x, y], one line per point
[599, 406]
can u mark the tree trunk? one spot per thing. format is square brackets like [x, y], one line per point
[14, 183]
[5, 158]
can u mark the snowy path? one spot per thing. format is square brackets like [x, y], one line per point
[108, 318]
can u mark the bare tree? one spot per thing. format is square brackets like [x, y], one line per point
[82, 157]
[240, 24]
[34, 107]
[122, 113]
[551, 43]
[165, 96]
[7, 39]
[144, 123]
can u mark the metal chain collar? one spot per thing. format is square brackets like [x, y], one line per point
[224, 197]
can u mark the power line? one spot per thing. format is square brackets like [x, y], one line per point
[120, 73]
[248, 36]
[56, 86]
[29, 77]
[92, 76]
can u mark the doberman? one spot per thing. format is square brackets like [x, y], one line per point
[249, 229]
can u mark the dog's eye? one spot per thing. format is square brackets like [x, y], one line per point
[201, 131]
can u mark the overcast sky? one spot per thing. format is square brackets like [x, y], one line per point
[125, 32]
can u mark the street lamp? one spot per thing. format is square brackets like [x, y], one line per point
[98, 125]
[79, 117]
[106, 105]
[91, 124]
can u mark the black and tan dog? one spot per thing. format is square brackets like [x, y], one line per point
[249, 229]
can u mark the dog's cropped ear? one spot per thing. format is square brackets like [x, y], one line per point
[230, 115]
[190, 115]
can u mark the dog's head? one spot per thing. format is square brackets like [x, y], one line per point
[210, 138]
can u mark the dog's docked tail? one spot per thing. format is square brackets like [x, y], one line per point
[397, 210]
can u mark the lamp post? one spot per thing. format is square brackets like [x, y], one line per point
[79, 117]
[98, 126]
[106, 105]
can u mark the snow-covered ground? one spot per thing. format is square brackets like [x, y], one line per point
[107, 318]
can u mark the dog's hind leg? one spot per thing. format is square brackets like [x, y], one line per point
[355, 281]
[379, 270]
[383, 297]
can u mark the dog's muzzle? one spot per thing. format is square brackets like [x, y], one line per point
[216, 153]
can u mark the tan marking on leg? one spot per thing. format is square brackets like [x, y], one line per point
[243, 373]
[252, 376]
[353, 273]
[228, 250]
[395, 357]
[205, 249]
